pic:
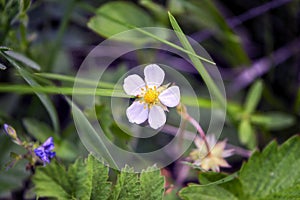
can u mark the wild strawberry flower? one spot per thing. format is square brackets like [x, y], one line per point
[44, 152]
[152, 98]
[213, 159]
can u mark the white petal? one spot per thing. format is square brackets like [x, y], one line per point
[170, 97]
[154, 75]
[157, 117]
[137, 112]
[133, 84]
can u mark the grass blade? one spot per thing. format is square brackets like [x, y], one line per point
[72, 79]
[91, 136]
[156, 38]
[24, 89]
[197, 63]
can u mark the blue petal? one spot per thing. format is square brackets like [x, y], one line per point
[48, 144]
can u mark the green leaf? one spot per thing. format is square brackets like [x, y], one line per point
[52, 181]
[157, 10]
[80, 178]
[92, 138]
[152, 184]
[84, 180]
[128, 186]
[253, 97]
[88, 179]
[273, 120]
[193, 192]
[215, 178]
[38, 129]
[124, 12]
[101, 188]
[273, 173]
[230, 182]
[247, 134]
[25, 60]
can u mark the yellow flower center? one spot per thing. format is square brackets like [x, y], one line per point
[151, 95]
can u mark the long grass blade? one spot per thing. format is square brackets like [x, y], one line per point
[72, 79]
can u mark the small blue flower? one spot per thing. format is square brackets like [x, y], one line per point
[44, 152]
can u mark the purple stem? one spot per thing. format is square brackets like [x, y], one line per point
[263, 65]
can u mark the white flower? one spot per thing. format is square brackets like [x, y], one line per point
[152, 99]
[214, 159]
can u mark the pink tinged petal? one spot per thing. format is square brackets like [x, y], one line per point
[157, 117]
[154, 75]
[137, 112]
[133, 84]
[218, 149]
[223, 163]
[170, 97]
[228, 152]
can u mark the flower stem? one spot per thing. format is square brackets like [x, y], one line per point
[200, 130]
[183, 112]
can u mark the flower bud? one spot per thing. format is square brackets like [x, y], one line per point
[10, 131]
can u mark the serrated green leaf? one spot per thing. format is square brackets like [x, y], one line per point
[247, 134]
[128, 186]
[152, 184]
[84, 180]
[253, 97]
[101, 188]
[273, 120]
[273, 173]
[52, 181]
[80, 178]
